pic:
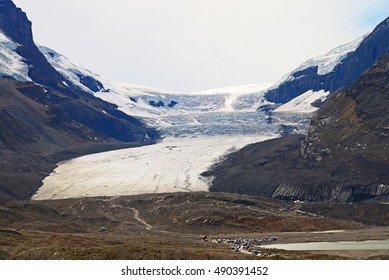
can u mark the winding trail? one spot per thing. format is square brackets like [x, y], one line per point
[136, 217]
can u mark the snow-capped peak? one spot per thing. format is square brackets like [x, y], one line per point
[325, 63]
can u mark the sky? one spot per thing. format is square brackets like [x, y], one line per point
[191, 45]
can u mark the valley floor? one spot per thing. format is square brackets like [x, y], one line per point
[174, 226]
[173, 165]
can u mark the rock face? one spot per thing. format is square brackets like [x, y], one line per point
[345, 156]
[343, 75]
[15, 24]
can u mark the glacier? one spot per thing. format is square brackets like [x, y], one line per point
[197, 128]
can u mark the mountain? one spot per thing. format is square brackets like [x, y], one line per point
[334, 71]
[344, 157]
[44, 118]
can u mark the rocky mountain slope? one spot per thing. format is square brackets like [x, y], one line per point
[345, 156]
[43, 119]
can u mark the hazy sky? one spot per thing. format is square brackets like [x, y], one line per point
[187, 45]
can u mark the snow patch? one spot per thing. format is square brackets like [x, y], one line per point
[68, 69]
[303, 103]
[11, 64]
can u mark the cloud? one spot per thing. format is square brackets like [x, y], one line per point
[190, 45]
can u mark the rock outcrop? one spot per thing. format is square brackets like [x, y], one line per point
[351, 131]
